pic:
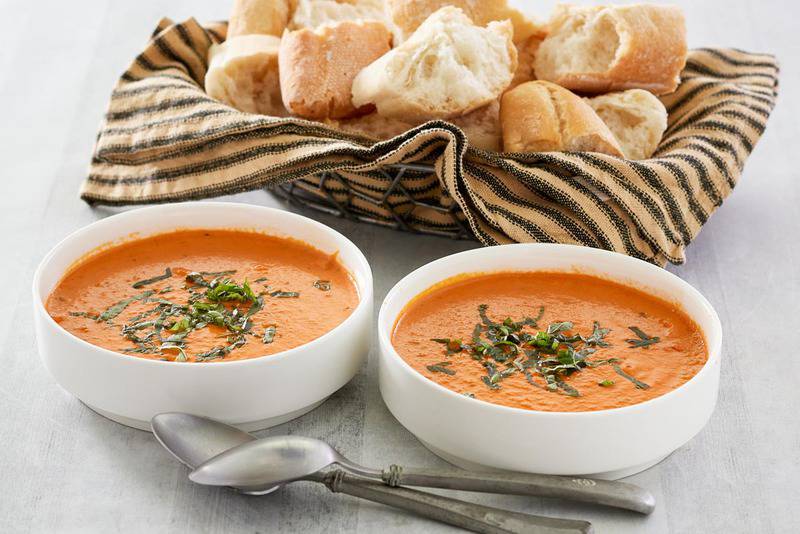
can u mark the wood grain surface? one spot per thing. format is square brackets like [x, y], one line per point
[64, 468]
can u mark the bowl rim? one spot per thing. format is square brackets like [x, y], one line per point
[713, 338]
[365, 297]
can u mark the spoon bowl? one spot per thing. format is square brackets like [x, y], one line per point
[193, 440]
[270, 461]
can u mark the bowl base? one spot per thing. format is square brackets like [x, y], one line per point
[247, 426]
[473, 466]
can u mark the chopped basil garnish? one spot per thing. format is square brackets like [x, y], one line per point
[441, 367]
[546, 358]
[323, 285]
[147, 281]
[643, 340]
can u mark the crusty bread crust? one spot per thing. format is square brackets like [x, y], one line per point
[541, 117]
[650, 53]
[259, 17]
[317, 67]
[407, 15]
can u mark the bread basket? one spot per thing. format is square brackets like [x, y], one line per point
[165, 140]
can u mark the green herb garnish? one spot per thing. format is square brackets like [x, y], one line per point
[284, 294]
[88, 315]
[491, 381]
[180, 326]
[220, 352]
[269, 334]
[217, 274]
[214, 300]
[567, 389]
[441, 367]
[148, 281]
[644, 340]
[638, 383]
[181, 357]
[598, 334]
[606, 383]
[453, 345]
[226, 290]
[485, 318]
[120, 306]
[197, 279]
[508, 347]
[323, 285]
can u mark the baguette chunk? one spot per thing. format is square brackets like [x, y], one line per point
[635, 117]
[243, 73]
[543, 117]
[447, 68]
[317, 66]
[601, 49]
[258, 17]
[408, 15]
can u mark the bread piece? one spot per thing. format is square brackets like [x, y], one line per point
[408, 15]
[243, 73]
[635, 117]
[259, 17]
[315, 13]
[447, 68]
[482, 126]
[601, 49]
[526, 54]
[543, 117]
[317, 67]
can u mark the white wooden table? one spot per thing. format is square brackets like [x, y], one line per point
[64, 468]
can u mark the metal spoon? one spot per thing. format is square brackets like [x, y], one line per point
[280, 459]
[194, 440]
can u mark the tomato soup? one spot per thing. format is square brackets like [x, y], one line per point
[203, 295]
[549, 341]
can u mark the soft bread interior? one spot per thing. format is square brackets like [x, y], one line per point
[315, 13]
[635, 117]
[243, 73]
[408, 15]
[580, 40]
[259, 17]
[447, 68]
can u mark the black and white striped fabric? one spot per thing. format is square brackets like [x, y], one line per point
[165, 140]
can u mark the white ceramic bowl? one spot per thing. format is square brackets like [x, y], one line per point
[608, 443]
[254, 393]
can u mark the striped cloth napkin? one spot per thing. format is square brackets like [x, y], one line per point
[165, 140]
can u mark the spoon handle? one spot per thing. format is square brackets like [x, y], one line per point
[470, 516]
[604, 492]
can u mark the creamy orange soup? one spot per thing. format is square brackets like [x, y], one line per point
[549, 341]
[203, 295]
